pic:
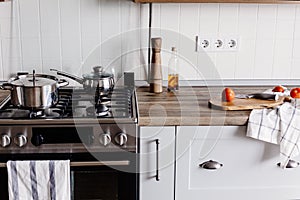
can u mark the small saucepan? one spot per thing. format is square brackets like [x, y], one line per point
[98, 78]
[34, 91]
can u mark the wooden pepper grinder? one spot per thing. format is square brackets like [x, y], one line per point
[155, 78]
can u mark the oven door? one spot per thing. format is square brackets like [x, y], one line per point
[91, 179]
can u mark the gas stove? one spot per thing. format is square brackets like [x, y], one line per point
[81, 121]
[76, 104]
[96, 131]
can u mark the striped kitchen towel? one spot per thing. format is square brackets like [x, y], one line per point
[39, 180]
[279, 126]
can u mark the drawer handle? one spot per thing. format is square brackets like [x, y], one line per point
[291, 164]
[157, 160]
[211, 165]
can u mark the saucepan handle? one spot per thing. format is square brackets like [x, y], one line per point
[6, 86]
[62, 82]
[71, 76]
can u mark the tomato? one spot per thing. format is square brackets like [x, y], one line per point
[295, 93]
[278, 88]
[228, 95]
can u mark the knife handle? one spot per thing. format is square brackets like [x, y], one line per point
[265, 96]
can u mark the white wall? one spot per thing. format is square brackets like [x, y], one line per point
[71, 35]
[269, 39]
[43, 34]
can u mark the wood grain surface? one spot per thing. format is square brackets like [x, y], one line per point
[189, 106]
[244, 104]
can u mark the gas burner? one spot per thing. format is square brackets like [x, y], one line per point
[17, 113]
[53, 112]
[14, 113]
[105, 100]
[99, 110]
[49, 113]
[36, 114]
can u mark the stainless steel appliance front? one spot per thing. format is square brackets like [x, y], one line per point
[102, 150]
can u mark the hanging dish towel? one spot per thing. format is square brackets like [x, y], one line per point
[279, 126]
[39, 180]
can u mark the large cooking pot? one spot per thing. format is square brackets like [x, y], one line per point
[96, 79]
[34, 91]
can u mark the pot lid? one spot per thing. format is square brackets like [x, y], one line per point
[98, 73]
[37, 80]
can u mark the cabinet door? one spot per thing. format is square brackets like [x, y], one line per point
[249, 167]
[155, 163]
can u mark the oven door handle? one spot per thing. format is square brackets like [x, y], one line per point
[92, 164]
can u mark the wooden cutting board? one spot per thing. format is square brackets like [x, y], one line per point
[244, 104]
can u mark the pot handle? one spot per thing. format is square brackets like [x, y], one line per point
[75, 78]
[62, 82]
[6, 86]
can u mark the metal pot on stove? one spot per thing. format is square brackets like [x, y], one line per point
[34, 91]
[96, 79]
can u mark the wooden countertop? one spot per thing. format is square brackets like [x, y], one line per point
[189, 106]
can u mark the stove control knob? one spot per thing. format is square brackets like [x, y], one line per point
[121, 139]
[20, 140]
[37, 140]
[5, 140]
[104, 139]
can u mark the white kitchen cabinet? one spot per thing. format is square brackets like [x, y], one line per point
[155, 162]
[249, 168]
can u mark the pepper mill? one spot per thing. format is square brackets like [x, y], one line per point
[155, 78]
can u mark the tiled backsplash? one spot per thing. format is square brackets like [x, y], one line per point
[74, 35]
[71, 35]
[269, 38]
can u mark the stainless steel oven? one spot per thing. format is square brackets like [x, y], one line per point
[102, 148]
[90, 178]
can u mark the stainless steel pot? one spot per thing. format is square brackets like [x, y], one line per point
[97, 79]
[34, 91]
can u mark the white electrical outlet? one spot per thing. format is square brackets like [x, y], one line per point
[231, 43]
[218, 43]
[205, 44]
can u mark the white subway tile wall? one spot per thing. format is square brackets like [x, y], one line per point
[74, 35]
[269, 36]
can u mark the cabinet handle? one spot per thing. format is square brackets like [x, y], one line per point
[291, 164]
[196, 41]
[157, 159]
[211, 164]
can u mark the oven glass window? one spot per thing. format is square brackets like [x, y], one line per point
[102, 183]
[95, 185]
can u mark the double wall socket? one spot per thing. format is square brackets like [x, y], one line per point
[217, 43]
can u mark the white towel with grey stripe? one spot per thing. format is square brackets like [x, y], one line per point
[279, 126]
[39, 180]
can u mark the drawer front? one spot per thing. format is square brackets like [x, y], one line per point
[249, 167]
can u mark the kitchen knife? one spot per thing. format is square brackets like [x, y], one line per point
[263, 96]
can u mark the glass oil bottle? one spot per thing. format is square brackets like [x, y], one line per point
[173, 65]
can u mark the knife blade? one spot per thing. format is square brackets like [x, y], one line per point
[263, 96]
